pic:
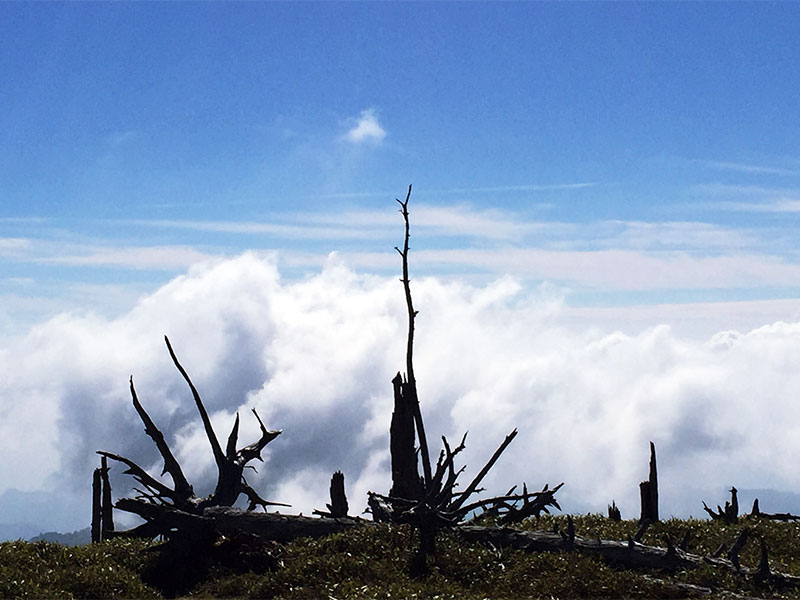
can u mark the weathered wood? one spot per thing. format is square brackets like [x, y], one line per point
[338, 505]
[630, 555]
[613, 512]
[107, 506]
[729, 514]
[648, 491]
[226, 520]
[97, 517]
[230, 466]
[755, 512]
[405, 470]
[410, 385]
[182, 490]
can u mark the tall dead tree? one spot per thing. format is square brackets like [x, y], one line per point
[429, 500]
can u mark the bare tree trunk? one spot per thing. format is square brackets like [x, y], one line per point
[107, 507]
[338, 506]
[97, 517]
[648, 491]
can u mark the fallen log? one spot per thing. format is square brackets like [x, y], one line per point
[630, 554]
[223, 520]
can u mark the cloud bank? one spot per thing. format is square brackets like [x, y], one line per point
[315, 357]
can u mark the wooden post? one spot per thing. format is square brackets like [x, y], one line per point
[648, 491]
[96, 512]
[106, 509]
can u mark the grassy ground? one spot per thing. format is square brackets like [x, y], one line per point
[372, 563]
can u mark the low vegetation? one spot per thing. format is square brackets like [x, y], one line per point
[372, 562]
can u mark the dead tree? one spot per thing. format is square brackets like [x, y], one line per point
[429, 500]
[729, 514]
[648, 491]
[338, 506]
[154, 495]
[102, 507]
[755, 512]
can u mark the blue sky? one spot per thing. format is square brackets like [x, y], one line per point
[595, 171]
[140, 137]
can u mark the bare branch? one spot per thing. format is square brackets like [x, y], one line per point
[219, 457]
[183, 491]
[479, 477]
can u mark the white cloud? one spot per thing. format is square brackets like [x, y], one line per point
[753, 169]
[608, 270]
[366, 129]
[316, 357]
[141, 257]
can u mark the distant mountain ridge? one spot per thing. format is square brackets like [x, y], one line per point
[75, 538]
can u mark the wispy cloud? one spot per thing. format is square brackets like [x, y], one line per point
[753, 169]
[279, 230]
[165, 258]
[533, 187]
[620, 270]
[752, 198]
[528, 187]
[13, 245]
[366, 129]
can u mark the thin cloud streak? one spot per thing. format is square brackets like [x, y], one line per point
[754, 169]
[622, 270]
[533, 187]
[166, 258]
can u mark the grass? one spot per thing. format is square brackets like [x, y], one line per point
[372, 563]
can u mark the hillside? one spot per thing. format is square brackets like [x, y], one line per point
[372, 563]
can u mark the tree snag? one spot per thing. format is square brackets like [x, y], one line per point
[231, 463]
[729, 514]
[430, 501]
[648, 491]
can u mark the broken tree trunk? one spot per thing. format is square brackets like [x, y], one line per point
[648, 491]
[338, 506]
[97, 515]
[729, 514]
[107, 507]
[405, 473]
